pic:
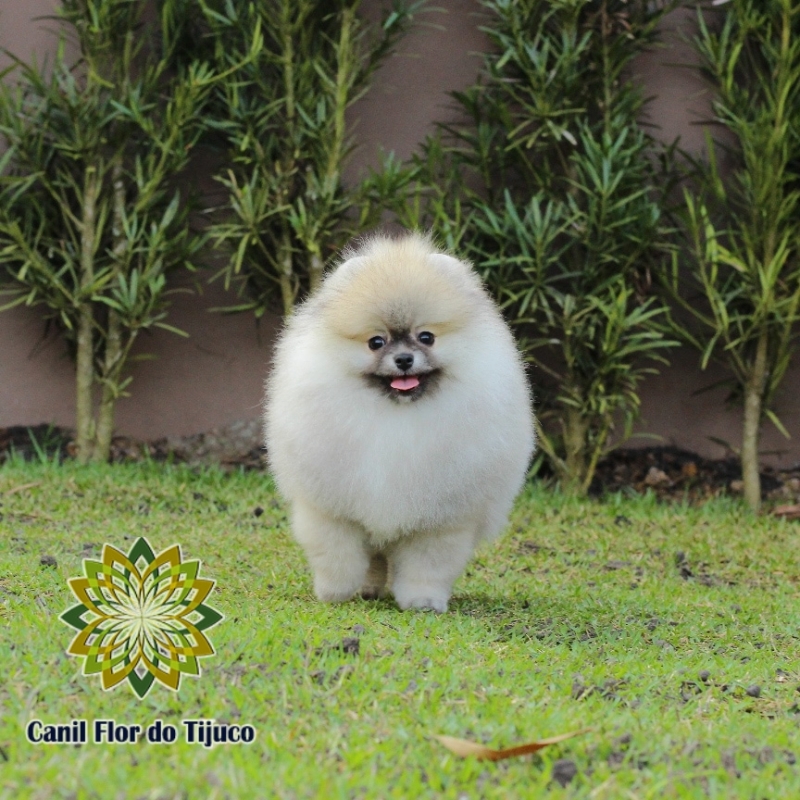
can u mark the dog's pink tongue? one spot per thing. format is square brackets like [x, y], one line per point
[406, 383]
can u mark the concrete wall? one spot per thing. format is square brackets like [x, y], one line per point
[216, 376]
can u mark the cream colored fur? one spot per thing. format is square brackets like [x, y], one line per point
[376, 480]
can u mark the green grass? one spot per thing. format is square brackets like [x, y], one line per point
[582, 615]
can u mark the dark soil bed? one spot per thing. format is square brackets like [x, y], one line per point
[675, 473]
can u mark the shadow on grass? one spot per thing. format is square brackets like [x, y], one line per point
[556, 620]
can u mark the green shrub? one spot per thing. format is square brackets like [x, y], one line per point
[556, 192]
[281, 119]
[743, 233]
[90, 222]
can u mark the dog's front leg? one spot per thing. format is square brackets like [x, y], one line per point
[425, 566]
[336, 550]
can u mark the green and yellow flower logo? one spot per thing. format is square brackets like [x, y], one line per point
[141, 617]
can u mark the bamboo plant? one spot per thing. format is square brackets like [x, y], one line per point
[742, 282]
[281, 120]
[91, 223]
[555, 190]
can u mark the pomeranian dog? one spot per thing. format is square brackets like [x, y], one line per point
[398, 423]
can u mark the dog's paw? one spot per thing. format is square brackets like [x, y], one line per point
[427, 601]
[333, 594]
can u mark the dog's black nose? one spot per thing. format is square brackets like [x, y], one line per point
[404, 361]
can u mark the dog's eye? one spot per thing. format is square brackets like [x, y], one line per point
[426, 338]
[376, 342]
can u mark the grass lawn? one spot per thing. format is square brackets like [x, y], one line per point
[672, 631]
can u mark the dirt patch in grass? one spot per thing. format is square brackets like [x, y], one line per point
[229, 446]
[672, 472]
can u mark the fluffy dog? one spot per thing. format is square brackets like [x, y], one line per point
[398, 423]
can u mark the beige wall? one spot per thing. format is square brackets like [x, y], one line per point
[215, 376]
[19, 33]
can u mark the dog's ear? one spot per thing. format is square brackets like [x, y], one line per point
[355, 262]
[447, 263]
[457, 270]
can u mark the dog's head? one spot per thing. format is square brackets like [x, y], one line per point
[398, 312]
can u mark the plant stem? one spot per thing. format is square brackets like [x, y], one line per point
[113, 360]
[608, 78]
[85, 373]
[754, 394]
[597, 452]
[340, 102]
[287, 288]
[576, 429]
[290, 157]
[288, 62]
[316, 270]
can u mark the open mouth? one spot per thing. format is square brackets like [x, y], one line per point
[405, 383]
[405, 387]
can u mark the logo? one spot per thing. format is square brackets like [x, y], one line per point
[141, 617]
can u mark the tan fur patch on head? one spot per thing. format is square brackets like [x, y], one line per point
[399, 284]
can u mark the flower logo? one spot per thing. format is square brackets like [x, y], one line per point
[141, 617]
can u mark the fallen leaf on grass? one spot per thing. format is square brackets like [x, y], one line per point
[789, 512]
[463, 748]
[24, 487]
